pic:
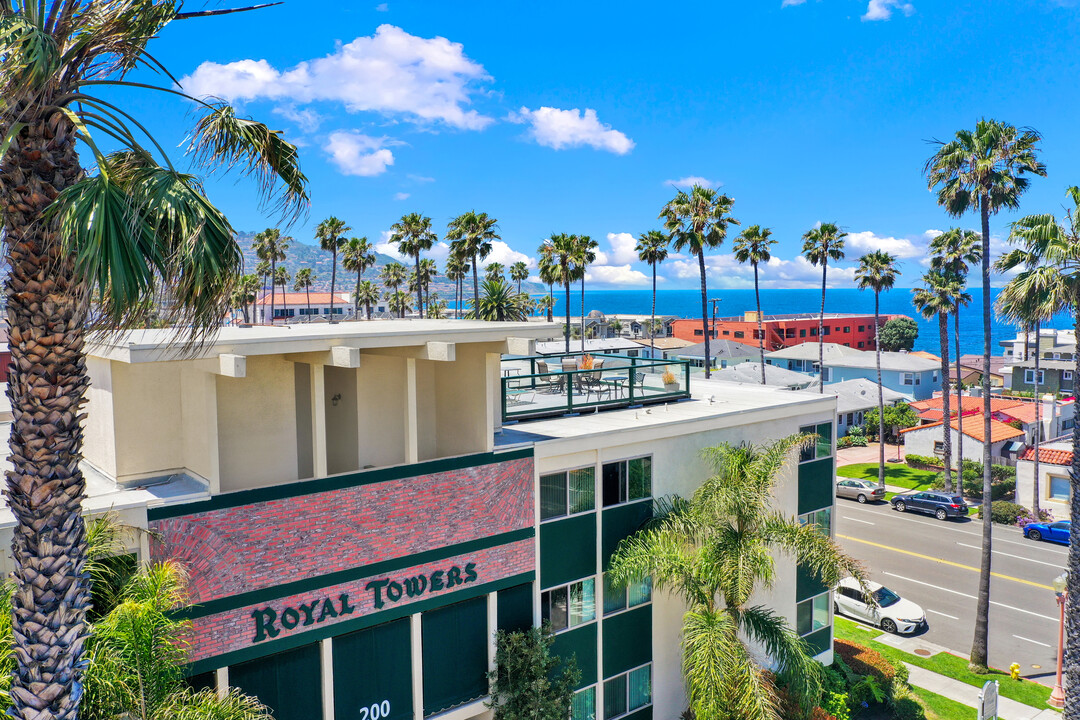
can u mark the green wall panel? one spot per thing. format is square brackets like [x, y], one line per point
[816, 485]
[621, 521]
[455, 654]
[202, 681]
[644, 713]
[627, 640]
[289, 683]
[567, 549]
[819, 641]
[579, 643]
[374, 667]
[807, 585]
[515, 608]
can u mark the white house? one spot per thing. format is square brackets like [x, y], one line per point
[1055, 460]
[292, 306]
[1006, 442]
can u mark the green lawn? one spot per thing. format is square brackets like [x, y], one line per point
[895, 474]
[939, 707]
[1028, 692]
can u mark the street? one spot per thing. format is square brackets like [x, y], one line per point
[936, 564]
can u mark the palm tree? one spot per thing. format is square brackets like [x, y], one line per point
[549, 275]
[584, 255]
[499, 302]
[262, 271]
[425, 274]
[331, 234]
[752, 246]
[398, 302]
[367, 294]
[120, 229]
[559, 250]
[716, 551]
[357, 256]
[697, 221]
[936, 299]
[494, 271]
[436, 308]
[615, 326]
[393, 276]
[304, 280]
[985, 169]
[820, 245]
[456, 269]
[956, 251]
[519, 272]
[245, 293]
[413, 236]
[282, 277]
[544, 304]
[877, 271]
[471, 234]
[270, 246]
[652, 248]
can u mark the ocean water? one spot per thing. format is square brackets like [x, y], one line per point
[687, 303]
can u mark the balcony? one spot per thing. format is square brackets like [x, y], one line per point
[535, 387]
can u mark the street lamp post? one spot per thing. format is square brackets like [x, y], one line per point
[1057, 695]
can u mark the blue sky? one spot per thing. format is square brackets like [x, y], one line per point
[577, 117]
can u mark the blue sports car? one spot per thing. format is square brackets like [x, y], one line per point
[1054, 532]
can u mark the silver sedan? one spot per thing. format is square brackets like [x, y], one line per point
[861, 490]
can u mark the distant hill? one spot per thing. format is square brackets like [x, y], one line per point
[302, 255]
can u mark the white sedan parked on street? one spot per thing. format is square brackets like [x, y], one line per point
[889, 611]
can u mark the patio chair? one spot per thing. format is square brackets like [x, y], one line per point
[551, 383]
[591, 383]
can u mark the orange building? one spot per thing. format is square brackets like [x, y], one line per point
[782, 331]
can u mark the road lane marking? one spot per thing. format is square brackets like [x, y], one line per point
[1036, 642]
[950, 563]
[971, 597]
[864, 522]
[1016, 557]
[951, 617]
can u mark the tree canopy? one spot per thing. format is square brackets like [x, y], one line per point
[899, 334]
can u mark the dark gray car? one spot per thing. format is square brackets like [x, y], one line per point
[938, 504]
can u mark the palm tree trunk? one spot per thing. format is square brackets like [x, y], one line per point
[880, 391]
[551, 305]
[652, 316]
[46, 389]
[475, 284]
[333, 282]
[273, 285]
[356, 296]
[821, 330]
[1071, 665]
[982, 607]
[959, 406]
[1038, 426]
[704, 314]
[284, 305]
[760, 329]
[566, 274]
[307, 290]
[419, 289]
[946, 426]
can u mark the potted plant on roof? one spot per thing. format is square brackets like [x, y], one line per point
[671, 384]
[586, 362]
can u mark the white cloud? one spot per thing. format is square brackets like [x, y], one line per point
[723, 271]
[616, 275]
[865, 242]
[685, 183]
[883, 9]
[358, 154]
[307, 120]
[623, 250]
[420, 178]
[790, 3]
[401, 196]
[559, 129]
[507, 256]
[425, 80]
[382, 7]
[386, 247]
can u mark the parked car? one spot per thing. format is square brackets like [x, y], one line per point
[938, 504]
[1054, 532]
[887, 610]
[861, 490]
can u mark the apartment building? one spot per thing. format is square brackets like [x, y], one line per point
[359, 518]
[853, 330]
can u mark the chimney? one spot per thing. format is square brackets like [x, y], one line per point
[750, 316]
[1049, 416]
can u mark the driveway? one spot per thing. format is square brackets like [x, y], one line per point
[868, 454]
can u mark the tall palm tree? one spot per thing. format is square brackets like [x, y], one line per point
[984, 170]
[398, 302]
[752, 246]
[457, 267]
[270, 246]
[716, 551]
[494, 271]
[357, 256]
[262, 271]
[937, 299]
[367, 294]
[956, 251]
[877, 271]
[559, 249]
[393, 276]
[282, 277]
[698, 221]
[652, 248]
[119, 229]
[584, 255]
[244, 294]
[499, 303]
[549, 275]
[519, 272]
[820, 245]
[331, 234]
[544, 303]
[425, 274]
[304, 280]
[413, 236]
[471, 234]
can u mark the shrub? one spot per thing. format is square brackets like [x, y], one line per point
[972, 487]
[922, 462]
[904, 704]
[834, 706]
[1026, 519]
[865, 661]
[1005, 512]
[851, 440]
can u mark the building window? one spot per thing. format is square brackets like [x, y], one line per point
[862, 328]
[862, 345]
[583, 704]
[634, 594]
[826, 330]
[570, 605]
[740, 334]
[820, 519]
[812, 615]
[699, 332]
[820, 449]
[1029, 377]
[826, 374]
[627, 692]
[802, 332]
[789, 333]
[1066, 374]
[567, 493]
[850, 418]
[1059, 488]
[939, 447]
[847, 328]
[907, 378]
[627, 480]
[727, 332]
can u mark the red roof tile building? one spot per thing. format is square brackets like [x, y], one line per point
[856, 331]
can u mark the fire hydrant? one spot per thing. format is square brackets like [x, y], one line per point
[1014, 670]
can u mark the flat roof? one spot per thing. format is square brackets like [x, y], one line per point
[166, 344]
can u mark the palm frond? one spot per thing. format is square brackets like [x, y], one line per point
[206, 705]
[796, 667]
[814, 550]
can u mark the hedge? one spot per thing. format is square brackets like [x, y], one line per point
[866, 661]
[1005, 513]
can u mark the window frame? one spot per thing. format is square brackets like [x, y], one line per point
[1067, 375]
[1050, 488]
[828, 613]
[566, 474]
[569, 612]
[626, 606]
[907, 378]
[811, 454]
[625, 460]
[1029, 376]
[810, 518]
[579, 692]
[630, 710]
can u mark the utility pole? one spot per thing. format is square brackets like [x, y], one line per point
[714, 301]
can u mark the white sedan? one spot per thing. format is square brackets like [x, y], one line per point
[888, 610]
